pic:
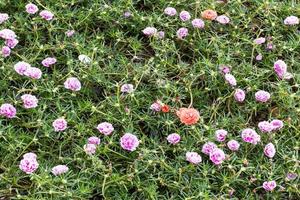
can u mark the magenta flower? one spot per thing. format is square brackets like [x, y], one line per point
[193, 157]
[208, 147]
[270, 150]
[149, 31]
[129, 142]
[47, 62]
[90, 149]
[223, 19]
[269, 185]
[33, 72]
[182, 33]
[173, 138]
[260, 40]
[280, 68]
[11, 43]
[249, 135]
[7, 34]
[233, 145]
[70, 33]
[230, 79]
[220, 135]
[170, 11]
[21, 67]
[291, 20]
[184, 16]
[265, 127]
[47, 15]
[277, 124]
[29, 165]
[73, 84]
[262, 96]
[29, 101]
[217, 156]
[198, 23]
[224, 69]
[94, 140]
[31, 8]
[127, 88]
[5, 51]
[59, 124]
[59, 169]
[7, 110]
[105, 128]
[239, 95]
[3, 17]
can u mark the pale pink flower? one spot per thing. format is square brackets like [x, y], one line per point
[184, 16]
[277, 124]
[233, 145]
[156, 106]
[270, 150]
[21, 67]
[198, 23]
[84, 59]
[259, 57]
[249, 135]
[7, 110]
[30, 155]
[90, 149]
[288, 76]
[208, 147]
[280, 68]
[29, 101]
[217, 156]
[291, 20]
[170, 11]
[59, 124]
[260, 40]
[223, 19]
[129, 142]
[193, 157]
[269, 185]
[73, 84]
[105, 128]
[127, 88]
[5, 51]
[47, 15]
[220, 135]
[230, 79]
[265, 127]
[127, 14]
[239, 95]
[11, 43]
[173, 138]
[291, 176]
[3, 17]
[33, 72]
[59, 169]
[182, 33]
[161, 34]
[29, 165]
[94, 140]
[47, 62]
[70, 33]
[7, 34]
[262, 96]
[31, 8]
[150, 31]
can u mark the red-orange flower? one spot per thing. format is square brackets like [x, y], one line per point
[188, 116]
[165, 108]
[209, 14]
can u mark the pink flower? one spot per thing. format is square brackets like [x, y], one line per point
[239, 95]
[265, 127]
[30, 155]
[156, 106]
[105, 128]
[249, 135]
[127, 88]
[208, 147]
[262, 96]
[230, 79]
[72, 84]
[173, 138]
[11, 43]
[29, 101]
[90, 149]
[7, 34]
[193, 157]
[288, 76]
[223, 19]
[59, 124]
[47, 15]
[182, 33]
[21, 67]
[161, 34]
[269, 185]
[184, 16]
[94, 140]
[7, 110]
[33, 72]
[59, 169]
[270, 150]
[170, 11]
[291, 20]
[217, 156]
[224, 69]
[277, 124]
[127, 14]
[259, 57]
[3, 17]
[280, 68]
[29, 165]
[149, 31]
[70, 33]
[233, 145]
[198, 23]
[5, 51]
[31, 8]
[129, 142]
[260, 40]
[47, 62]
[220, 135]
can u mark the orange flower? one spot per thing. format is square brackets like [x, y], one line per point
[209, 14]
[165, 108]
[188, 116]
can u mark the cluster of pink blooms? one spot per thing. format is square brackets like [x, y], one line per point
[7, 110]
[45, 14]
[173, 138]
[59, 169]
[29, 101]
[268, 127]
[25, 69]
[10, 41]
[216, 155]
[29, 163]
[105, 128]
[91, 146]
[47, 62]
[73, 84]
[280, 69]
[129, 142]
[60, 124]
